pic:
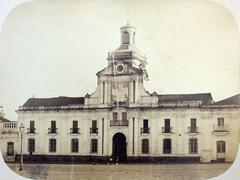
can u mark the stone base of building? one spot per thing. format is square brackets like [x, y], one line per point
[104, 159]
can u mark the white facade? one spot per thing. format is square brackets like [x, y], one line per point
[141, 118]
[9, 138]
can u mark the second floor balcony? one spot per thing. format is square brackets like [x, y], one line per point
[166, 129]
[145, 130]
[119, 123]
[31, 130]
[93, 130]
[193, 129]
[74, 130]
[52, 130]
[220, 128]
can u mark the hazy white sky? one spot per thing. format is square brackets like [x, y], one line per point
[54, 48]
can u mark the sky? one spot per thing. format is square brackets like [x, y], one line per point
[55, 48]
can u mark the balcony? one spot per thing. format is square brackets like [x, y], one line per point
[145, 130]
[119, 123]
[74, 130]
[52, 130]
[94, 130]
[166, 129]
[193, 130]
[220, 130]
[31, 130]
[217, 128]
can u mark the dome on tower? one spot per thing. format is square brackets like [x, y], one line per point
[127, 26]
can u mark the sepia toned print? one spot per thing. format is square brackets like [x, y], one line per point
[125, 125]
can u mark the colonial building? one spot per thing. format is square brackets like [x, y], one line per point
[9, 137]
[124, 121]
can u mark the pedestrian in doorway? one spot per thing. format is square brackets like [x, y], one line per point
[110, 161]
[117, 160]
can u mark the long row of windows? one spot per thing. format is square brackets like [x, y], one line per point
[191, 129]
[53, 127]
[167, 146]
[192, 146]
[53, 145]
[145, 129]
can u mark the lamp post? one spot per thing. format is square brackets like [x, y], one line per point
[21, 128]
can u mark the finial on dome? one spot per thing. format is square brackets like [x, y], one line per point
[128, 15]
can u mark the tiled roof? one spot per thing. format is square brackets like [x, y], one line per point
[205, 98]
[56, 101]
[3, 119]
[233, 100]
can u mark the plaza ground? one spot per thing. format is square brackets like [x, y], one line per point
[121, 171]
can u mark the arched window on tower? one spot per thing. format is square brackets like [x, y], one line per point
[125, 37]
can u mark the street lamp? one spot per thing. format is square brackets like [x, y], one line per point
[21, 128]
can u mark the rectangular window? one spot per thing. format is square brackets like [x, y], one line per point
[53, 128]
[32, 127]
[74, 145]
[145, 123]
[220, 121]
[75, 128]
[145, 126]
[94, 126]
[193, 125]
[124, 116]
[94, 145]
[10, 148]
[167, 146]
[75, 124]
[53, 124]
[167, 128]
[115, 116]
[221, 147]
[193, 145]
[31, 145]
[52, 145]
[145, 146]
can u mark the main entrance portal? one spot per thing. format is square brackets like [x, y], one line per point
[119, 147]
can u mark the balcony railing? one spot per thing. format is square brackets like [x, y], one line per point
[52, 130]
[31, 130]
[166, 129]
[145, 130]
[93, 130]
[74, 130]
[193, 130]
[119, 123]
[10, 125]
[222, 128]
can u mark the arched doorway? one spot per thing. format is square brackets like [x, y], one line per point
[119, 149]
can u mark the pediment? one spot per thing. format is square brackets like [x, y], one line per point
[129, 70]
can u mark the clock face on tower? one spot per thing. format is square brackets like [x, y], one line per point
[120, 68]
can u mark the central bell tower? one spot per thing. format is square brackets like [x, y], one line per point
[120, 84]
[127, 53]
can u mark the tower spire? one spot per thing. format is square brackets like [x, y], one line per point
[128, 15]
